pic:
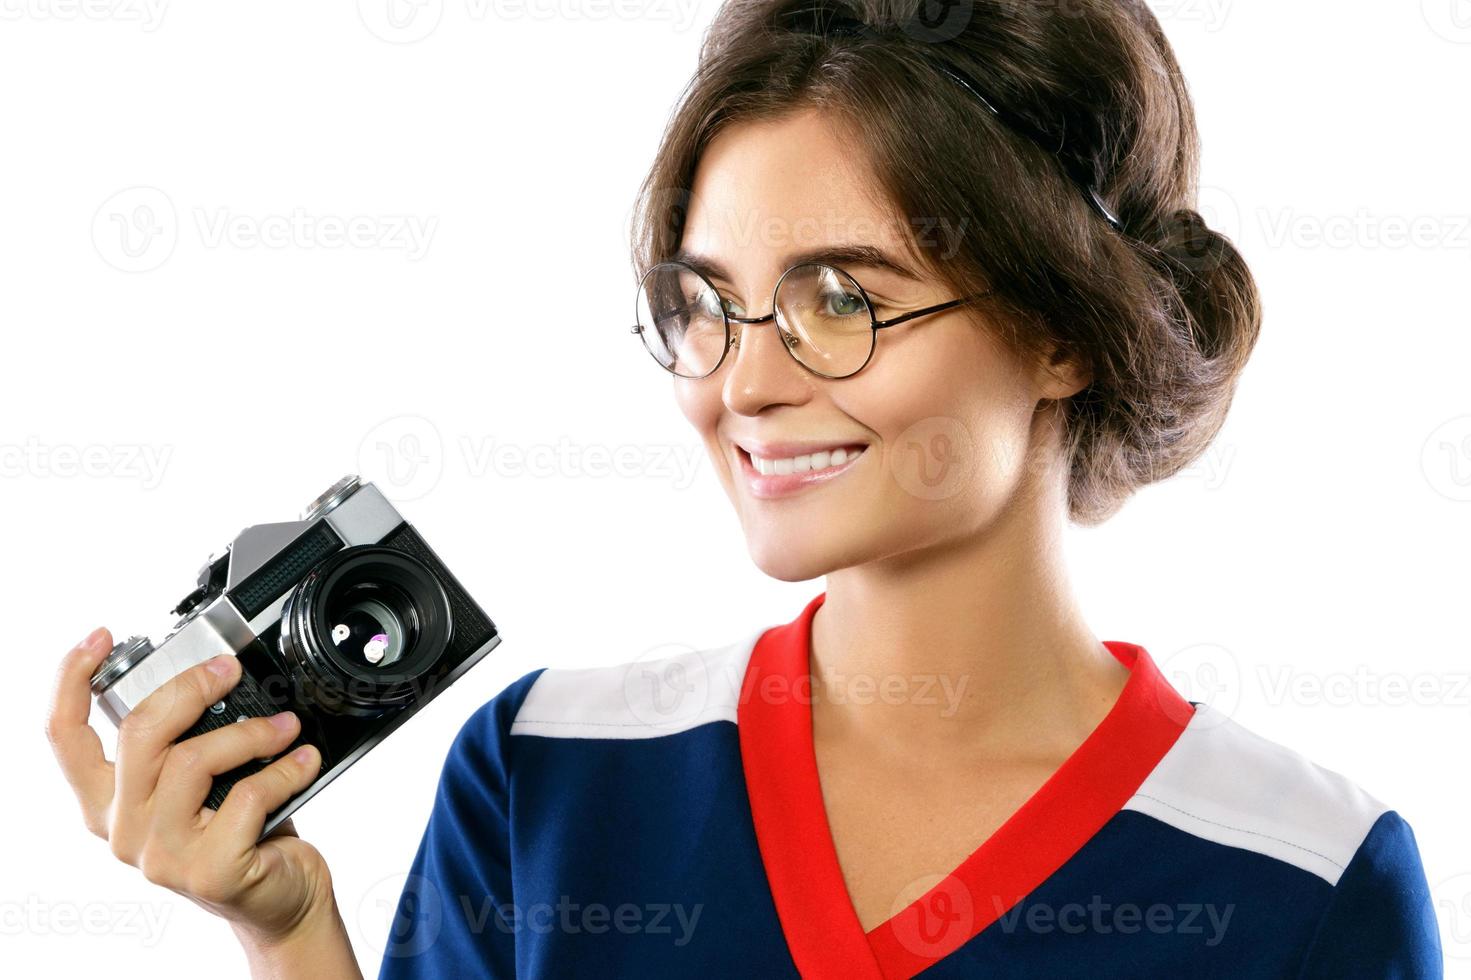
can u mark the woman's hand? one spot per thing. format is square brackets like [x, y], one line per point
[149, 804]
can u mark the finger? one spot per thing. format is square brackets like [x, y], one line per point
[146, 732]
[190, 766]
[286, 828]
[77, 748]
[237, 825]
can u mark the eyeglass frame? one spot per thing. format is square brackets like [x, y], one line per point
[733, 341]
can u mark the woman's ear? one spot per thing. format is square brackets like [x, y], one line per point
[1061, 374]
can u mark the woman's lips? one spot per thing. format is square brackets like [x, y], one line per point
[770, 485]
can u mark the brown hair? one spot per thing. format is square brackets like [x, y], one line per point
[1162, 316]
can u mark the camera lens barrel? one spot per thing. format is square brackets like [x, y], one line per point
[365, 630]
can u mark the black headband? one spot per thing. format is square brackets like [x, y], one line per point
[830, 19]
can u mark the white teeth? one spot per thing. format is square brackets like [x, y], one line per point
[804, 464]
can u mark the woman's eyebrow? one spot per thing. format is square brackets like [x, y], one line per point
[842, 256]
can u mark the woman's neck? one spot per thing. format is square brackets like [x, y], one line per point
[977, 647]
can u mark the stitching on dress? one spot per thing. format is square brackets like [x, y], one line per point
[1243, 830]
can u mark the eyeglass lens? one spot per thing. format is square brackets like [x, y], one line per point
[825, 321]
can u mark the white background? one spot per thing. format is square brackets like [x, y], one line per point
[1310, 575]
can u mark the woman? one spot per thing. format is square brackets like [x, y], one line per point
[995, 311]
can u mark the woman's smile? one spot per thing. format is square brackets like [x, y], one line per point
[774, 470]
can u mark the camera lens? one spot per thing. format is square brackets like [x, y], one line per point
[366, 630]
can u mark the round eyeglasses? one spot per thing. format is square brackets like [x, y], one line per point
[826, 321]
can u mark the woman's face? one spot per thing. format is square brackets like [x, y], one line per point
[945, 418]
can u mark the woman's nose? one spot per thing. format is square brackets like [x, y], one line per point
[761, 370]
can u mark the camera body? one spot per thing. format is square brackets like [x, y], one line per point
[346, 617]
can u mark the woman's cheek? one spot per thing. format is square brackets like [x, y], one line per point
[702, 409]
[949, 470]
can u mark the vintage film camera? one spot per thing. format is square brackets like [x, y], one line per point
[345, 616]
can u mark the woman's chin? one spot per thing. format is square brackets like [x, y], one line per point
[789, 561]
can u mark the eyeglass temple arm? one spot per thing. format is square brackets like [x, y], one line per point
[912, 314]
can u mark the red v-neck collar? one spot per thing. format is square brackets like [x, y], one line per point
[817, 916]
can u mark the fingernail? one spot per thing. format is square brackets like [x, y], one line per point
[221, 665]
[90, 640]
[283, 721]
[303, 754]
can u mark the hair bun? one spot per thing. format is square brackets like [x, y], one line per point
[1215, 292]
[1183, 243]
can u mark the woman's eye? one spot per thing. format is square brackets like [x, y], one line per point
[844, 304]
[732, 308]
[705, 305]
